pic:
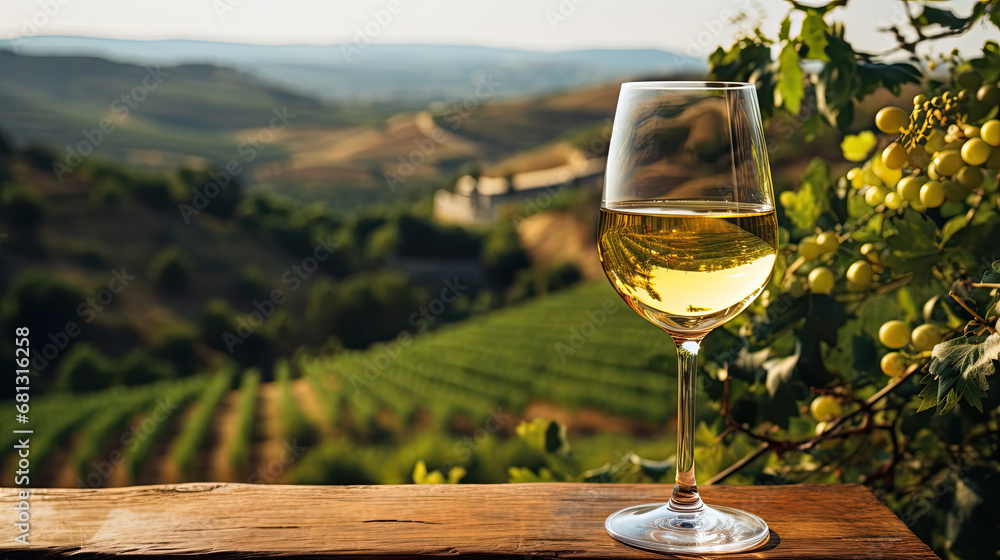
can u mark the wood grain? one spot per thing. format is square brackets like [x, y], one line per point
[486, 521]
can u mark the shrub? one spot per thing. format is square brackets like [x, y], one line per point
[177, 344]
[84, 368]
[154, 192]
[137, 367]
[503, 255]
[22, 208]
[170, 270]
[385, 299]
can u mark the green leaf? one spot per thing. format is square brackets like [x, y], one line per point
[992, 276]
[937, 16]
[789, 91]
[951, 227]
[912, 243]
[890, 76]
[856, 147]
[811, 200]
[813, 35]
[786, 25]
[780, 371]
[961, 368]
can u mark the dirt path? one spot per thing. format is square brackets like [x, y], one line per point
[305, 395]
[266, 449]
[159, 467]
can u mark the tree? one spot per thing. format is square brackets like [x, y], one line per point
[170, 270]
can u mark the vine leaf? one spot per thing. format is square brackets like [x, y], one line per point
[780, 371]
[937, 16]
[992, 276]
[789, 92]
[961, 367]
[856, 147]
[814, 36]
[811, 200]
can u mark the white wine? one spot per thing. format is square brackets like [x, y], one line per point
[688, 266]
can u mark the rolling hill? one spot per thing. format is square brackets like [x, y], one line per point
[377, 72]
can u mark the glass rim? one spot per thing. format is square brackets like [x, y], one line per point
[694, 85]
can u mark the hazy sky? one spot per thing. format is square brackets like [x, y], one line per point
[694, 27]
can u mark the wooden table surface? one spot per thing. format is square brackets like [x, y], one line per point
[486, 521]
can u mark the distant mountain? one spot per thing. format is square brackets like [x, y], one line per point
[383, 73]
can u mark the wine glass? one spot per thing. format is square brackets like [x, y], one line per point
[688, 238]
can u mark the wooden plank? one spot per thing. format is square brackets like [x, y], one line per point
[486, 521]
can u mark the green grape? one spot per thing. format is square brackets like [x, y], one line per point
[893, 364]
[809, 249]
[990, 132]
[870, 178]
[932, 194]
[954, 191]
[893, 201]
[825, 408]
[932, 172]
[894, 156]
[948, 162]
[894, 334]
[919, 100]
[971, 131]
[870, 251]
[970, 177]
[828, 242]
[935, 141]
[917, 158]
[926, 337]
[821, 280]
[994, 161]
[975, 152]
[888, 176]
[909, 187]
[891, 119]
[859, 275]
[988, 95]
[917, 206]
[875, 196]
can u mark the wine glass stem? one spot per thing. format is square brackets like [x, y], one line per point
[685, 497]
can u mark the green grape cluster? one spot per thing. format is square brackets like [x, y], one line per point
[943, 149]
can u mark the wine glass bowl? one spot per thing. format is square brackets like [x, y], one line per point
[688, 237]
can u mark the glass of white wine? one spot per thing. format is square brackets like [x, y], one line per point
[688, 237]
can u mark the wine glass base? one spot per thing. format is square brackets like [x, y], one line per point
[659, 528]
